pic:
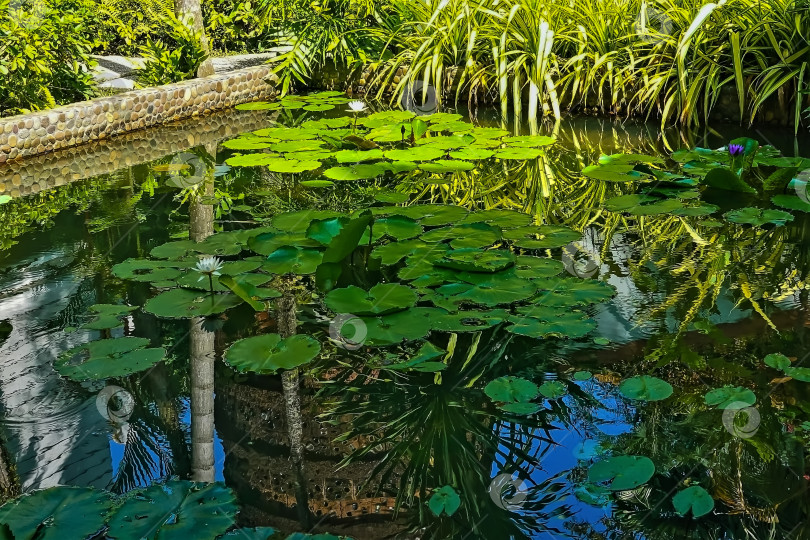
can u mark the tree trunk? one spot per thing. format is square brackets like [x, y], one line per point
[190, 12]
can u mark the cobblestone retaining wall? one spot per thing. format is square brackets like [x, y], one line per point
[80, 123]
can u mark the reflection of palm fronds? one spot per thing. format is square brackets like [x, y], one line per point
[145, 458]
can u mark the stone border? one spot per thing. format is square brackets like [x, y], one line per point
[47, 171]
[80, 123]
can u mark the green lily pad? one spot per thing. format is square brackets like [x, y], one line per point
[291, 259]
[518, 153]
[146, 270]
[791, 202]
[433, 215]
[298, 222]
[537, 267]
[694, 499]
[612, 173]
[447, 166]
[475, 260]
[186, 303]
[505, 219]
[267, 243]
[107, 316]
[408, 325]
[288, 133]
[419, 153]
[356, 172]
[542, 236]
[251, 160]
[469, 235]
[413, 248]
[444, 500]
[447, 142]
[292, 166]
[704, 209]
[730, 397]
[553, 389]
[318, 107]
[798, 373]
[777, 361]
[325, 230]
[758, 216]
[381, 299]
[540, 322]
[244, 143]
[645, 388]
[567, 292]
[472, 154]
[174, 511]
[529, 141]
[621, 473]
[481, 133]
[108, 358]
[49, 513]
[269, 353]
[722, 178]
[356, 156]
[399, 227]
[511, 390]
[258, 106]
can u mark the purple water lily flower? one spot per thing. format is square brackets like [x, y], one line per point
[735, 150]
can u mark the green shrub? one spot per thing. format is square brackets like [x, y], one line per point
[44, 55]
[163, 65]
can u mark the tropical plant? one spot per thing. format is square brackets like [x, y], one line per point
[163, 65]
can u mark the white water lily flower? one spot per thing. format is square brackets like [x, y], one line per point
[357, 106]
[209, 266]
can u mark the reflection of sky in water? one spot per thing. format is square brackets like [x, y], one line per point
[577, 437]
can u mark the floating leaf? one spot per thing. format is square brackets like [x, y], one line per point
[251, 160]
[722, 178]
[475, 260]
[730, 397]
[444, 500]
[419, 153]
[381, 299]
[612, 173]
[185, 303]
[511, 390]
[553, 389]
[539, 322]
[269, 353]
[529, 141]
[622, 473]
[107, 358]
[174, 511]
[292, 166]
[542, 236]
[758, 216]
[267, 243]
[107, 316]
[245, 143]
[777, 361]
[469, 235]
[258, 106]
[518, 153]
[48, 514]
[356, 156]
[356, 172]
[448, 142]
[791, 202]
[472, 153]
[432, 215]
[645, 388]
[694, 499]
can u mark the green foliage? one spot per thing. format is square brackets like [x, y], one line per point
[44, 54]
[164, 65]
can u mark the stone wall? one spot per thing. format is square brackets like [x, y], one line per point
[46, 171]
[88, 121]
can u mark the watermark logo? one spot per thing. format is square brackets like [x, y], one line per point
[26, 13]
[508, 492]
[653, 25]
[348, 331]
[578, 262]
[420, 98]
[115, 404]
[800, 183]
[741, 420]
[186, 170]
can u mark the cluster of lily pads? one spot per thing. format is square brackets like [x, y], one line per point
[427, 268]
[370, 146]
[743, 167]
[178, 509]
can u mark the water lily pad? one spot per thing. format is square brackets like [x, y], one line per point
[296, 260]
[622, 473]
[758, 216]
[553, 389]
[704, 209]
[146, 270]
[318, 107]
[777, 361]
[433, 215]
[107, 316]
[529, 141]
[568, 291]
[791, 202]
[722, 178]
[645, 388]
[798, 373]
[381, 299]
[324, 230]
[694, 499]
[47, 514]
[394, 252]
[356, 156]
[444, 500]
[419, 153]
[488, 290]
[411, 324]
[447, 166]
[612, 173]
[469, 235]
[258, 106]
[251, 160]
[475, 260]
[505, 219]
[267, 243]
[399, 227]
[730, 397]
[292, 166]
[511, 390]
[356, 172]
[440, 117]
[108, 358]
[455, 126]
[488, 133]
[173, 511]
[541, 322]
[288, 133]
[472, 154]
[446, 142]
[542, 236]
[295, 222]
[518, 153]
[537, 267]
[244, 143]
[269, 353]
[185, 303]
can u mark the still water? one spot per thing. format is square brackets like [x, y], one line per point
[362, 451]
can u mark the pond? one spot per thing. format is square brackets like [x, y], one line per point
[380, 325]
